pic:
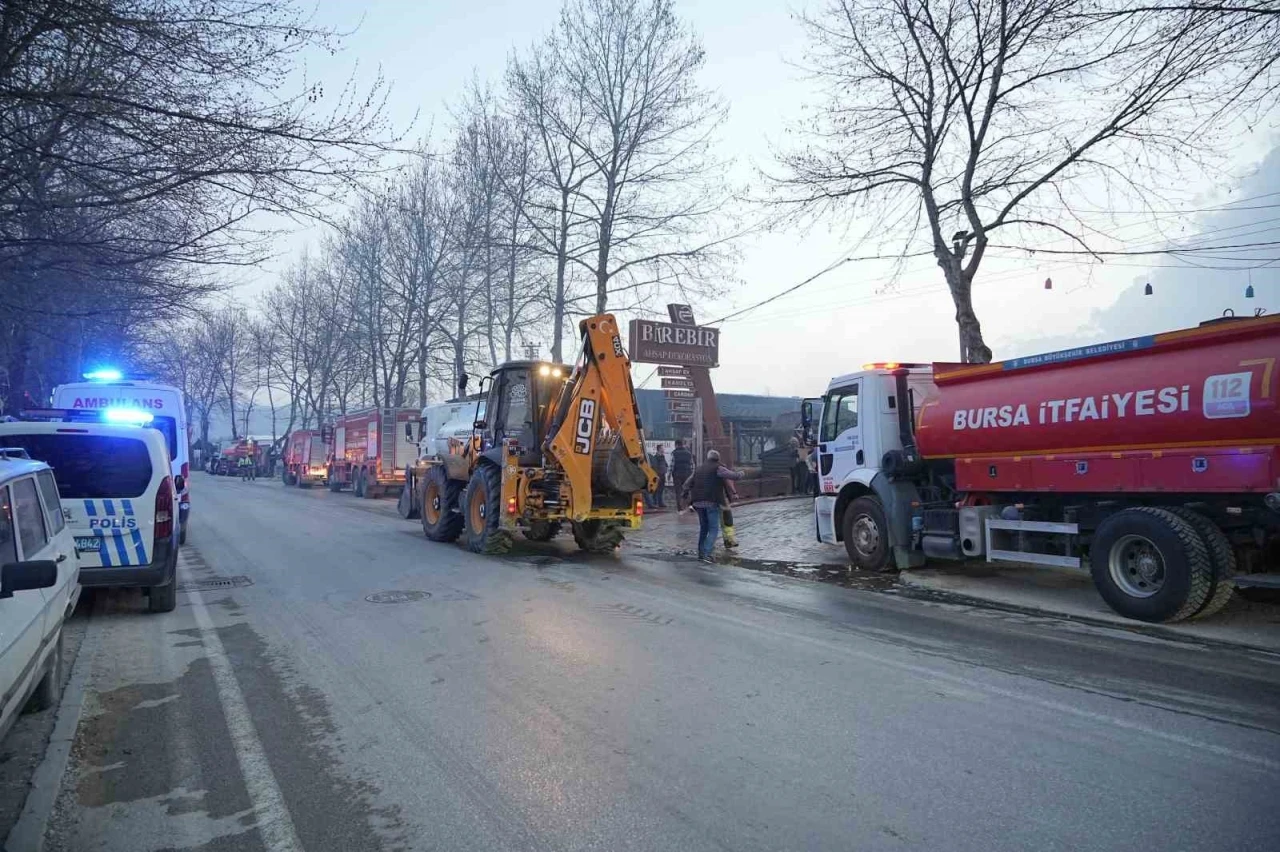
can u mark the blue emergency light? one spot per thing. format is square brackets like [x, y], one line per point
[127, 415]
[104, 375]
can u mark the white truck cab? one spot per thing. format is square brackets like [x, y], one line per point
[860, 427]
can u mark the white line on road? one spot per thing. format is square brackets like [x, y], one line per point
[274, 822]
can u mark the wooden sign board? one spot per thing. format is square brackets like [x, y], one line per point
[653, 342]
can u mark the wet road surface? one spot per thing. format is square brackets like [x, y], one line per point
[333, 681]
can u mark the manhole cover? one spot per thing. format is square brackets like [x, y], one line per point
[210, 584]
[397, 597]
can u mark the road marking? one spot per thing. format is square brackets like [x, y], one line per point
[274, 822]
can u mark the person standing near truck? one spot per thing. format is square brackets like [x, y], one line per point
[658, 461]
[705, 487]
[681, 467]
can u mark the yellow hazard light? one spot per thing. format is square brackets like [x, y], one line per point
[511, 505]
[639, 506]
[544, 370]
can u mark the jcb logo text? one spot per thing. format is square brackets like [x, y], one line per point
[586, 429]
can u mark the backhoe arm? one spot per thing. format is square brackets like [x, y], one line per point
[599, 390]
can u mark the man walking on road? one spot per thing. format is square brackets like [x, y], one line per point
[706, 489]
[681, 467]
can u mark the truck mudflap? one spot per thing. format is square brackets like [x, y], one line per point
[898, 498]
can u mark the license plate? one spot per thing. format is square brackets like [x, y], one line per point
[88, 544]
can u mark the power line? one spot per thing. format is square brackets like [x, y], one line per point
[836, 265]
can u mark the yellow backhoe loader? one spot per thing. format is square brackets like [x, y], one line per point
[556, 445]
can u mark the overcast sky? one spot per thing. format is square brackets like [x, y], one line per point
[858, 313]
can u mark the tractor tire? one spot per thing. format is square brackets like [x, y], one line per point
[1221, 554]
[442, 518]
[594, 537]
[542, 530]
[482, 510]
[866, 535]
[1151, 565]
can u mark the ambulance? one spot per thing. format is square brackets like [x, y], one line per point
[109, 389]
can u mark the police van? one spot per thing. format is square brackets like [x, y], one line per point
[108, 389]
[118, 494]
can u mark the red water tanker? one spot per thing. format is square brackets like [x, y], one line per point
[1192, 410]
[1154, 462]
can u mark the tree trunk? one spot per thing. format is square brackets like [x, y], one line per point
[562, 261]
[973, 349]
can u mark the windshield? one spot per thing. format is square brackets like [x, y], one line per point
[90, 466]
[839, 412]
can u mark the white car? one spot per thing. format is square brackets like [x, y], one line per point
[118, 494]
[38, 589]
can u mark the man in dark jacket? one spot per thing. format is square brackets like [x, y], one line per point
[658, 461]
[706, 488]
[681, 467]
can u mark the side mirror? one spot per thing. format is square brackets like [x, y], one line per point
[806, 422]
[408, 430]
[21, 576]
[481, 425]
[179, 484]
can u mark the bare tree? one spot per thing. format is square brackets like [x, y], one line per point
[554, 116]
[140, 137]
[976, 120]
[653, 201]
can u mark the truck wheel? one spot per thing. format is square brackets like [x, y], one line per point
[595, 537]
[1151, 565]
[441, 507]
[866, 535]
[357, 482]
[1221, 554]
[542, 530]
[335, 484]
[482, 506]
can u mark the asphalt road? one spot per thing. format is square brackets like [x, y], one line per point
[548, 701]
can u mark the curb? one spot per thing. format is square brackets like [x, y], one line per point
[28, 833]
[919, 591]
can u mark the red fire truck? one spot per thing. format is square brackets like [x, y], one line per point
[306, 458]
[1155, 462]
[370, 450]
[227, 461]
